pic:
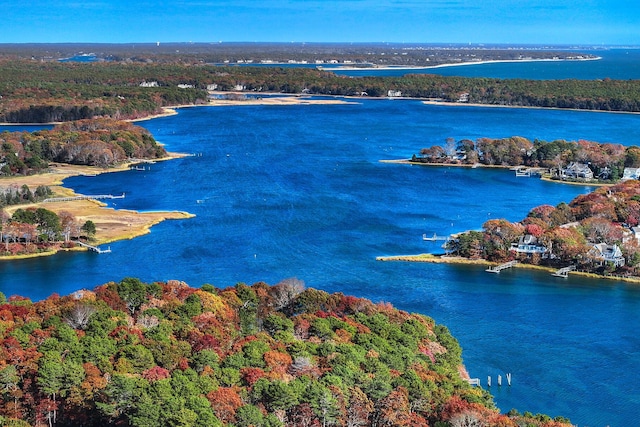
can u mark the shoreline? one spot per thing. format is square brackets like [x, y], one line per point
[111, 224]
[475, 105]
[453, 64]
[481, 166]
[442, 259]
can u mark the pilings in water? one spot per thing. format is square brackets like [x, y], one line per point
[476, 381]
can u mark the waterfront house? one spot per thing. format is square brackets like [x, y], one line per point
[394, 93]
[528, 244]
[577, 170]
[630, 173]
[634, 233]
[149, 84]
[604, 253]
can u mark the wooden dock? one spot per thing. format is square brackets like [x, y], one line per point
[142, 161]
[69, 199]
[564, 272]
[499, 268]
[435, 238]
[94, 248]
[528, 172]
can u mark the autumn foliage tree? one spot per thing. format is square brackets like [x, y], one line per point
[165, 354]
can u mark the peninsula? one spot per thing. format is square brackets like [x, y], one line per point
[582, 161]
[594, 234]
[39, 216]
[167, 354]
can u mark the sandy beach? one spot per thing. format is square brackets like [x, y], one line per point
[111, 224]
[239, 98]
[455, 64]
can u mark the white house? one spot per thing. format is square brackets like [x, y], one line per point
[577, 170]
[528, 244]
[394, 93]
[630, 173]
[604, 253]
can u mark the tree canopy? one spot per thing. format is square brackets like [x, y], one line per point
[166, 354]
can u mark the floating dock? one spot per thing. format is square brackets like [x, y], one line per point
[499, 268]
[435, 238]
[564, 272]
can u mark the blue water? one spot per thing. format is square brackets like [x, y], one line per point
[80, 58]
[299, 191]
[621, 64]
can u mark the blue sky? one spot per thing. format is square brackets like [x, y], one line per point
[593, 22]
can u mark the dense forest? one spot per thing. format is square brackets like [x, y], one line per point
[165, 354]
[93, 142]
[606, 161]
[595, 232]
[38, 92]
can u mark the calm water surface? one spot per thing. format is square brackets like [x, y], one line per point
[299, 191]
[621, 64]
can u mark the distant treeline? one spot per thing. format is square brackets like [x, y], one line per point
[51, 91]
[359, 54]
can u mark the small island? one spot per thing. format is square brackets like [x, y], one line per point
[39, 217]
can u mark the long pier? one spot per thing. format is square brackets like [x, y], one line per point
[564, 272]
[69, 199]
[94, 248]
[499, 268]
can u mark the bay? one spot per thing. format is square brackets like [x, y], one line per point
[618, 63]
[299, 191]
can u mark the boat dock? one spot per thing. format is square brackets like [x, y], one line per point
[94, 248]
[69, 199]
[435, 238]
[564, 272]
[527, 172]
[499, 268]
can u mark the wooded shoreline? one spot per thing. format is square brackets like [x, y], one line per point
[444, 259]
